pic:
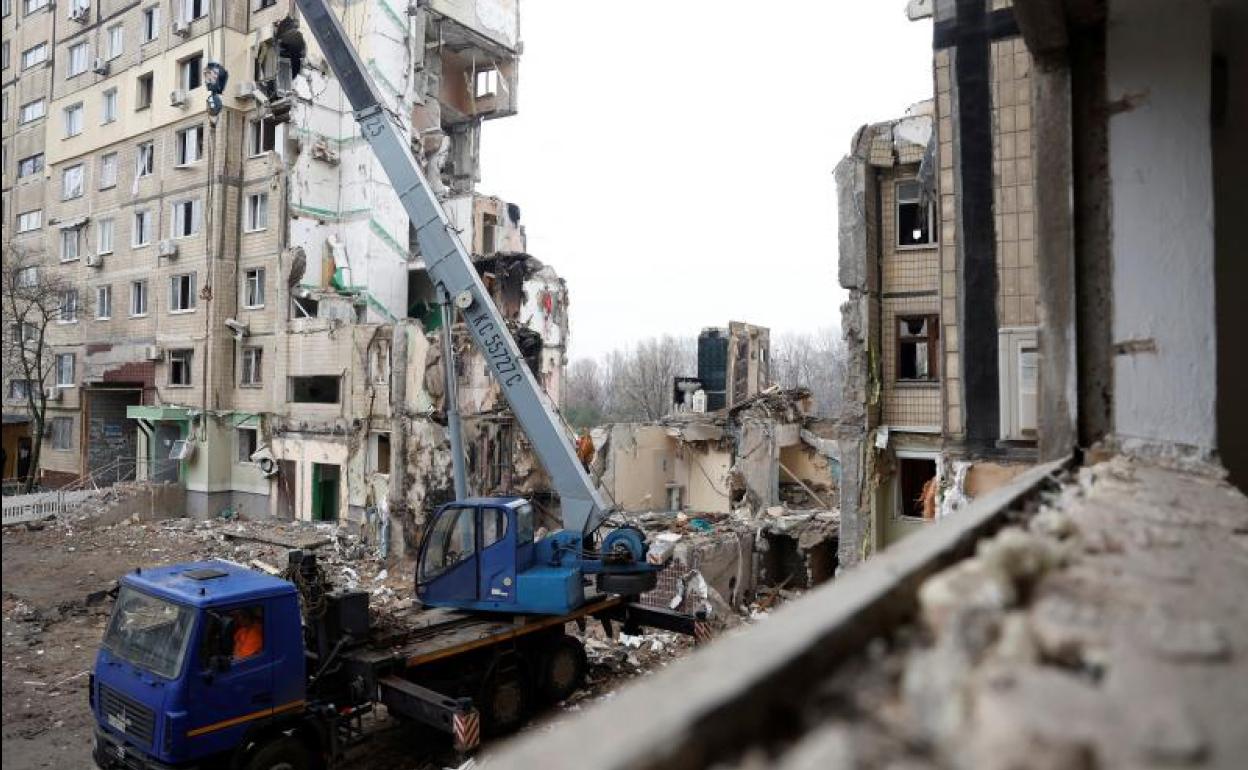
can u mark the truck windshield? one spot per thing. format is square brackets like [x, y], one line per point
[149, 632]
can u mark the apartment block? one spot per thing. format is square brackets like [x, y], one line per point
[244, 278]
[937, 251]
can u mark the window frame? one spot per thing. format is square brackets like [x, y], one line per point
[251, 222]
[104, 302]
[54, 431]
[239, 444]
[141, 170]
[61, 380]
[255, 137]
[116, 47]
[149, 21]
[80, 168]
[177, 219]
[933, 347]
[187, 363]
[108, 181]
[110, 105]
[144, 91]
[42, 48]
[71, 54]
[70, 235]
[931, 216]
[251, 367]
[23, 120]
[248, 295]
[182, 298]
[105, 225]
[21, 228]
[137, 230]
[137, 297]
[180, 145]
[67, 113]
[191, 70]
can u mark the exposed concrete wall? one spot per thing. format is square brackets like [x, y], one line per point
[1158, 55]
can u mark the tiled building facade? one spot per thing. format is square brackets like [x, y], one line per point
[938, 254]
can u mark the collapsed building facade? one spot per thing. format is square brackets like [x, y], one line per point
[256, 322]
[938, 254]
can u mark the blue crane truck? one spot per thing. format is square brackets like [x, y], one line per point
[171, 688]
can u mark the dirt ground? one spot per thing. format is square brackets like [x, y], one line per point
[55, 610]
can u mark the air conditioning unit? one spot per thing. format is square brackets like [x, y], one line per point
[53, 393]
[182, 449]
[182, 28]
[80, 14]
[153, 353]
[99, 66]
[167, 248]
[95, 260]
[177, 98]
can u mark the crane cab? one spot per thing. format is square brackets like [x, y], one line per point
[480, 554]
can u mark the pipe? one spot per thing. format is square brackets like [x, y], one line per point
[451, 396]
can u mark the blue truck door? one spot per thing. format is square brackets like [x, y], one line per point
[498, 554]
[225, 704]
[449, 562]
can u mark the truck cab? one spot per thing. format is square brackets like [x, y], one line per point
[197, 659]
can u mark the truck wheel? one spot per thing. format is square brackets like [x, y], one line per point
[563, 669]
[627, 584]
[285, 753]
[504, 702]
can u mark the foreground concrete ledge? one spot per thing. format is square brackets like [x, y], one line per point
[707, 707]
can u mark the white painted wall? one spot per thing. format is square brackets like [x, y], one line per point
[1158, 57]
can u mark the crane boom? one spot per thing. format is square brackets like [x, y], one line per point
[450, 267]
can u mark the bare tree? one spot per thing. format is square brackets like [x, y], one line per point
[33, 299]
[813, 360]
[643, 378]
[585, 397]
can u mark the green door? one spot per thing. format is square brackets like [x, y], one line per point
[324, 492]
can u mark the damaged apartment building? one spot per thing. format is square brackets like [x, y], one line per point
[739, 479]
[937, 252]
[251, 317]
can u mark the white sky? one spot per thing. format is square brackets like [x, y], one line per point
[672, 159]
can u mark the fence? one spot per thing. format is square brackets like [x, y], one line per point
[42, 505]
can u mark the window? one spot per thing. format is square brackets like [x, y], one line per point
[190, 72]
[28, 277]
[4, 48]
[144, 159]
[143, 92]
[251, 373]
[116, 40]
[452, 540]
[916, 487]
[68, 311]
[78, 59]
[253, 288]
[29, 220]
[182, 293]
[34, 55]
[918, 355]
[103, 303]
[71, 182]
[186, 216]
[31, 165]
[19, 390]
[142, 228]
[248, 443]
[30, 6]
[381, 453]
[180, 366]
[73, 120]
[190, 143]
[1018, 361]
[76, 6]
[915, 216]
[151, 23]
[61, 432]
[194, 9]
[485, 83]
[32, 111]
[69, 244]
[64, 370]
[314, 390]
[266, 4]
[262, 134]
[108, 106]
[108, 170]
[104, 236]
[138, 298]
[493, 526]
[257, 211]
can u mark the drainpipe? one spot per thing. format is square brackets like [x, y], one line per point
[145, 427]
[451, 395]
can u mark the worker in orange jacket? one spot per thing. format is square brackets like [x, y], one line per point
[248, 634]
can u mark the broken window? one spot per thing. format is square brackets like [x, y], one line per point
[144, 88]
[262, 135]
[190, 72]
[194, 9]
[317, 389]
[304, 307]
[916, 485]
[180, 366]
[381, 453]
[182, 293]
[915, 216]
[253, 288]
[918, 355]
[144, 159]
[190, 145]
[61, 432]
[489, 234]
[486, 83]
[248, 441]
[253, 357]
